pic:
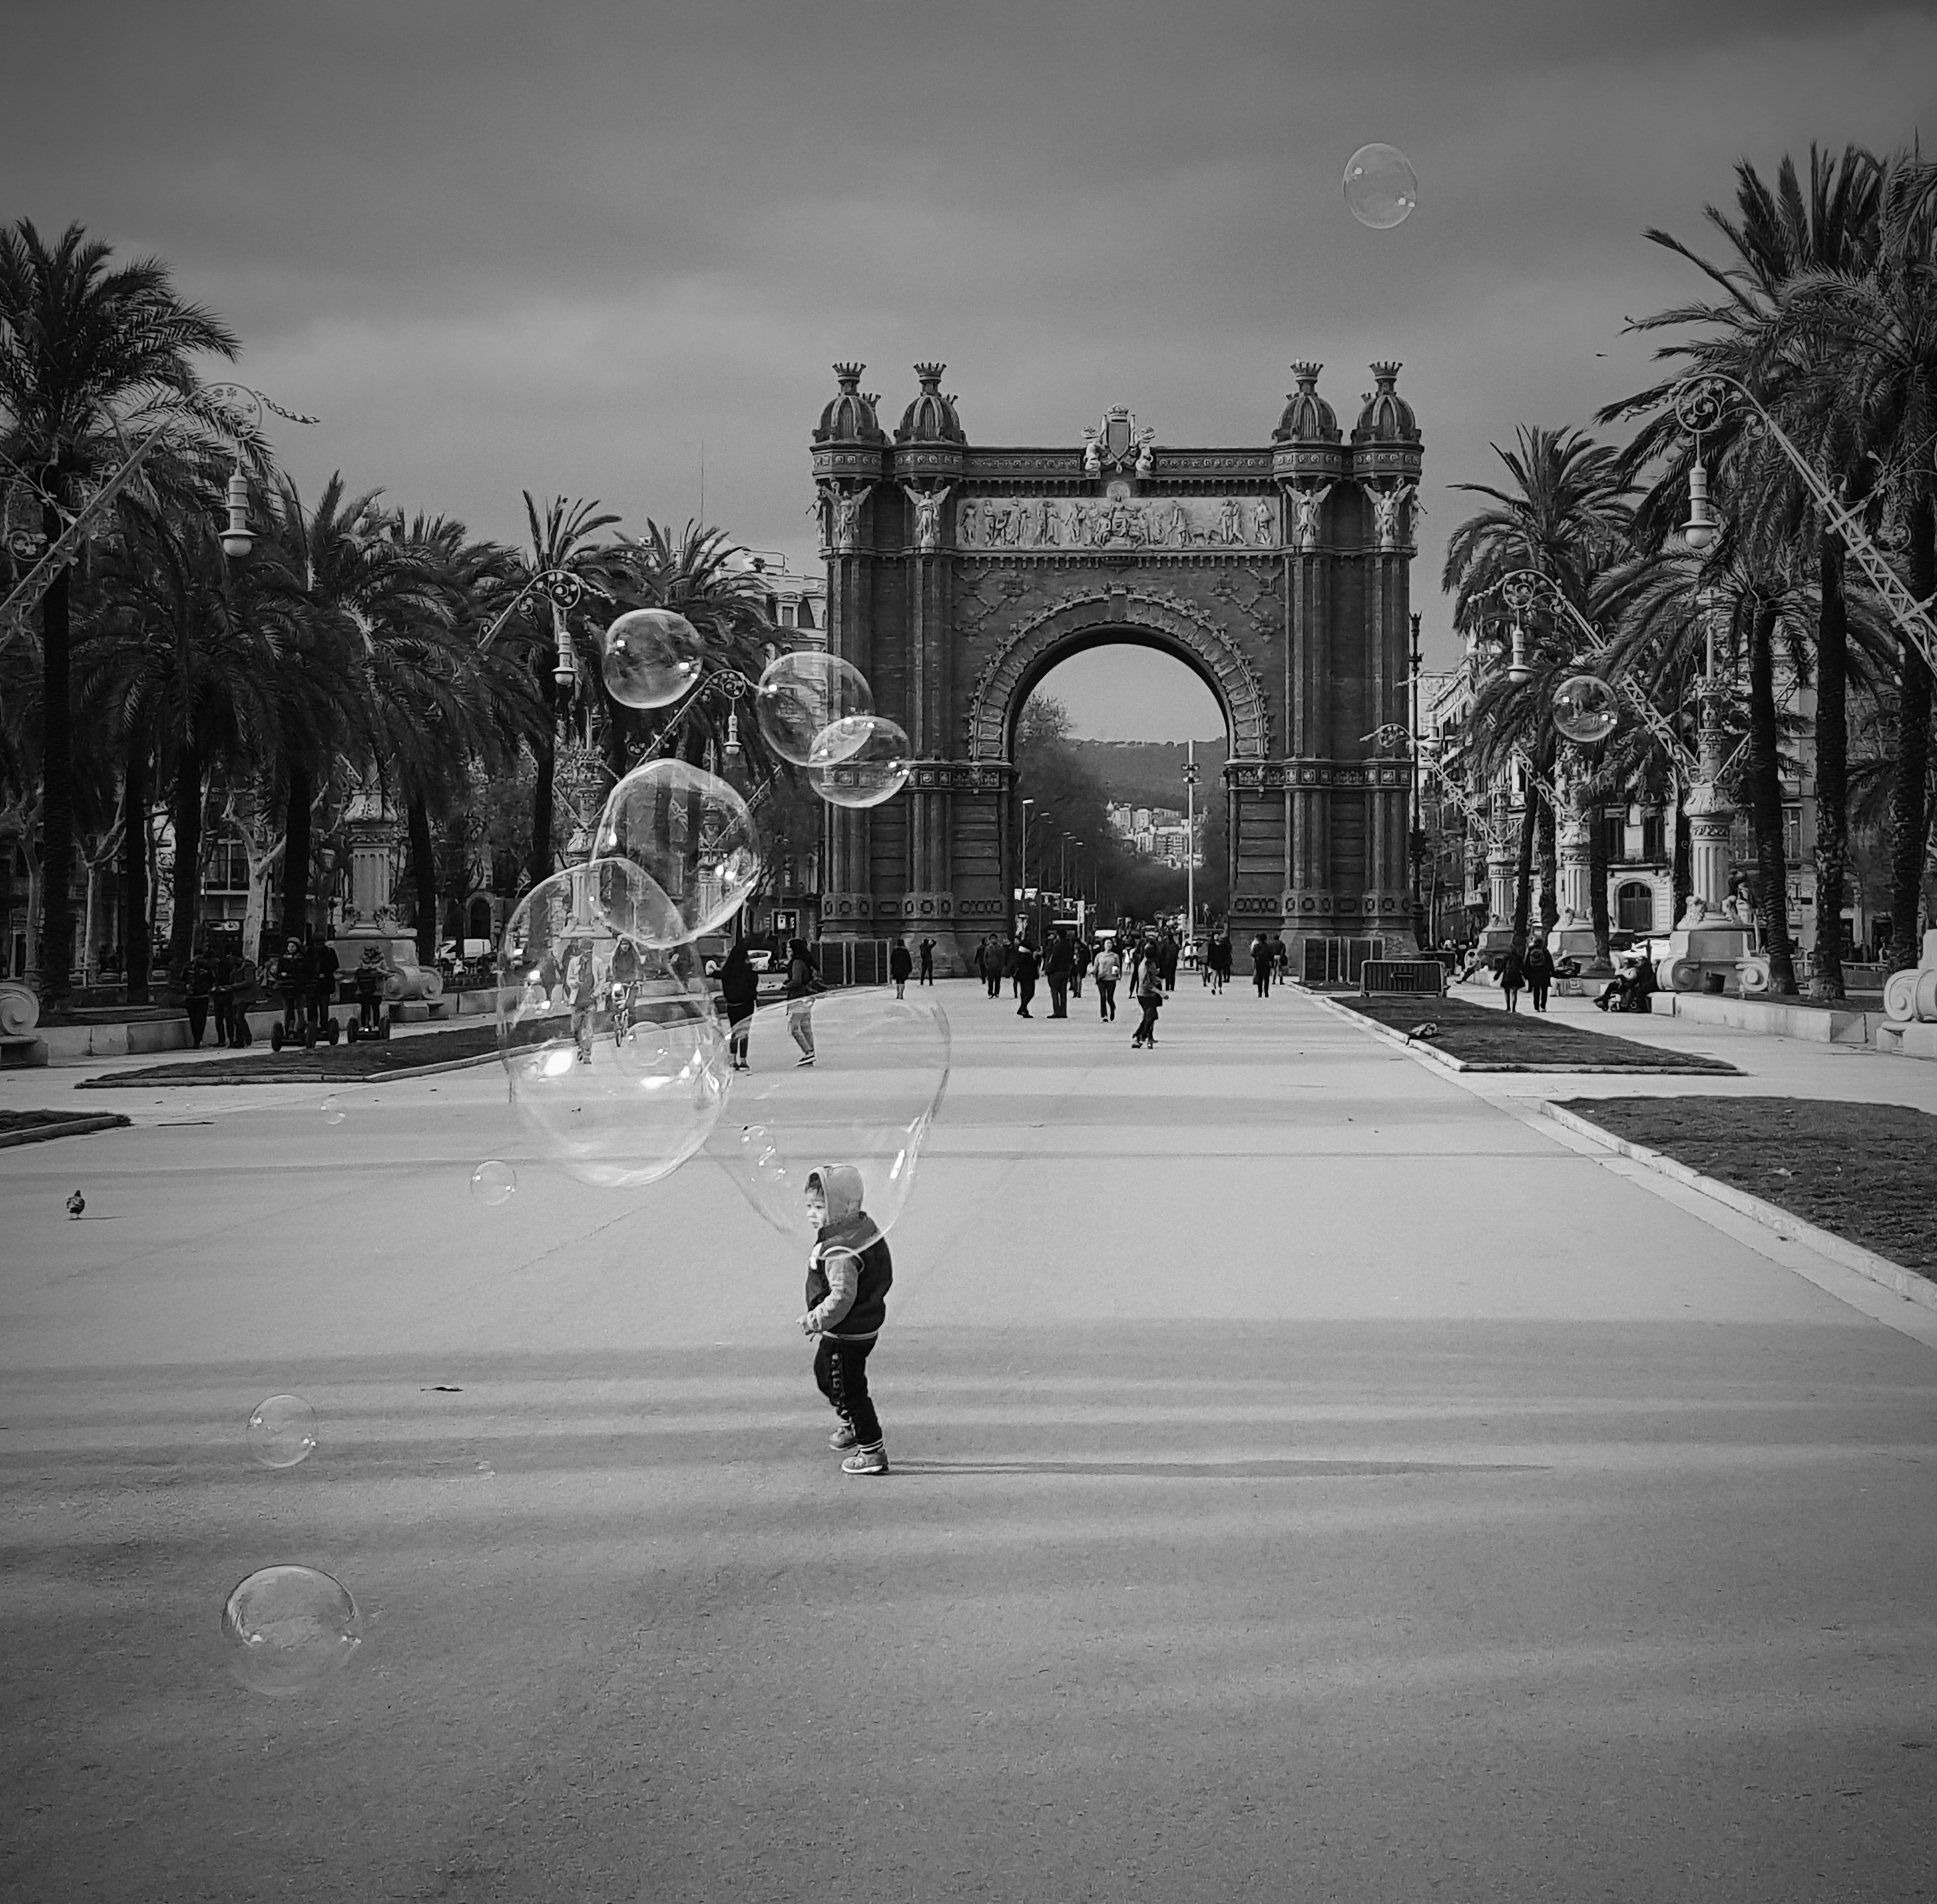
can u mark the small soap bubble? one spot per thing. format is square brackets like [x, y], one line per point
[1586, 709]
[282, 1431]
[859, 761]
[286, 1629]
[652, 656]
[801, 696]
[494, 1183]
[1381, 188]
[333, 1111]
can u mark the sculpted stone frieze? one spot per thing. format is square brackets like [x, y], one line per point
[1000, 523]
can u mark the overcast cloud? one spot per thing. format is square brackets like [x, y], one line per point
[559, 248]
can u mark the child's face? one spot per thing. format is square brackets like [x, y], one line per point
[817, 1207]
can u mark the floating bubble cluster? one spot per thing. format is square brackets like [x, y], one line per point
[1381, 188]
[494, 1183]
[282, 1431]
[1586, 709]
[881, 1065]
[652, 656]
[694, 836]
[616, 1059]
[859, 761]
[286, 1629]
[800, 696]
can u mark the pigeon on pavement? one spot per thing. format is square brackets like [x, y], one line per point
[76, 1204]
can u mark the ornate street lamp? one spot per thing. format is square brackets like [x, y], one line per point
[238, 539]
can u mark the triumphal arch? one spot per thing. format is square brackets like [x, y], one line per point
[958, 576]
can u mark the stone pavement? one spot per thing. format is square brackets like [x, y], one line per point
[1315, 1477]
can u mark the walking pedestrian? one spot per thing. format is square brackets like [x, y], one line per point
[740, 993]
[1108, 969]
[200, 981]
[581, 985]
[849, 1274]
[1026, 971]
[1079, 957]
[1011, 960]
[1261, 965]
[1539, 966]
[899, 965]
[1150, 997]
[981, 959]
[1167, 952]
[221, 997]
[1281, 958]
[1513, 977]
[992, 969]
[803, 980]
[1057, 965]
[928, 961]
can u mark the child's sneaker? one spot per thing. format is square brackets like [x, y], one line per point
[842, 1438]
[867, 1461]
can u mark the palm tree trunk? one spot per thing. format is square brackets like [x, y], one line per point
[1909, 790]
[1550, 870]
[1766, 805]
[296, 850]
[57, 784]
[1529, 825]
[136, 944]
[1597, 884]
[1683, 853]
[423, 877]
[1832, 769]
[185, 810]
[545, 759]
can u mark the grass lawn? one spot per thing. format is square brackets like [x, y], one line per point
[388, 1057]
[1863, 1172]
[25, 1126]
[1488, 1040]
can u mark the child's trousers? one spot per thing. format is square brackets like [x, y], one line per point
[841, 1370]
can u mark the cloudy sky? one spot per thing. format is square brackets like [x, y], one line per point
[562, 246]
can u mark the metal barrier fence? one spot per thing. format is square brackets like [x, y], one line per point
[853, 961]
[1425, 976]
[1339, 961]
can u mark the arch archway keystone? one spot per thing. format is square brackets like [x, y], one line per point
[958, 576]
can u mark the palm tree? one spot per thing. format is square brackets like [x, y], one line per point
[1866, 334]
[1779, 239]
[83, 350]
[1568, 514]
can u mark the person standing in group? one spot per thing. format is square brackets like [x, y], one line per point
[1026, 971]
[1012, 956]
[1281, 958]
[849, 1274]
[1172, 947]
[581, 985]
[1217, 959]
[803, 980]
[1057, 964]
[325, 968]
[292, 982]
[1261, 965]
[993, 961]
[200, 983]
[1513, 977]
[370, 990]
[1539, 966]
[928, 961]
[740, 993]
[1109, 968]
[899, 965]
[1149, 995]
[1080, 955]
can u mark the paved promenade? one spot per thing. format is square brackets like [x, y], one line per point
[1316, 1476]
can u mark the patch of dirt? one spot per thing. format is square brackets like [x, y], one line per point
[1862, 1171]
[1518, 1041]
[326, 1064]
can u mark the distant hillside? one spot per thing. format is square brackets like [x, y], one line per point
[1148, 773]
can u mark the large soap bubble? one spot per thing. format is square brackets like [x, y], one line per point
[616, 1060]
[286, 1629]
[692, 836]
[801, 695]
[859, 761]
[1381, 188]
[880, 1065]
[1586, 709]
[652, 656]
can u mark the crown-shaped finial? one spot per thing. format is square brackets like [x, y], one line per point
[1386, 373]
[1306, 373]
[930, 374]
[848, 375]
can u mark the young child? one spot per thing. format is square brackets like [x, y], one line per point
[849, 1272]
[1149, 995]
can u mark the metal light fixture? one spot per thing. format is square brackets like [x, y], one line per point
[1699, 530]
[237, 539]
[1518, 672]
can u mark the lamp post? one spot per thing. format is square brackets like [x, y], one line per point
[1190, 841]
[238, 539]
[1022, 862]
[1415, 831]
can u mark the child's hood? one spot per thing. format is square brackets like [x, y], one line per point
[847, 1222]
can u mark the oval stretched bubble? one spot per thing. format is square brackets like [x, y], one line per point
[694, 838]
[801, 696]
[616, 1060]
[286, 1629]
[1586, 709]
[1380, 186]
[880, 1066]
[651, 657]
[859, 761]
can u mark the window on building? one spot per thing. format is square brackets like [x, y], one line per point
[807, 614]
[786, 614]
[1792, 835]
[1634, 907]
[1614, 830]
[228, 868]
[1654, 832]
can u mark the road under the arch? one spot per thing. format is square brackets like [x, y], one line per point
[1311, 1479]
